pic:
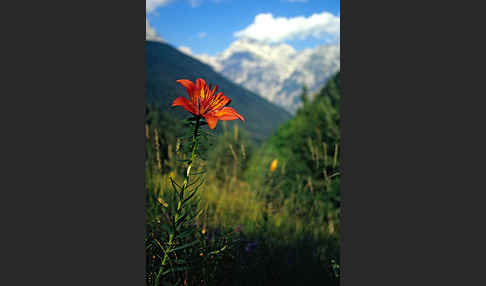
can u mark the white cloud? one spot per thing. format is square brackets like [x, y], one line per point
[151, 5]
[151, 34]
[201, 35]
[186, 50]
[269, 29]
[195, 3]
[212, 61]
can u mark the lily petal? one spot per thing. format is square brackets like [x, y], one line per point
[216, 102]
[200, 83]
[213, 91]
[186, 104]
[191, 88]
[211, 120]
[227, 113]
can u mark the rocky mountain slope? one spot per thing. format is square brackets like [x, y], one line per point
[276, 71]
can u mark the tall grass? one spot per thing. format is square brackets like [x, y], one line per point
[270, 213]
[268, 236]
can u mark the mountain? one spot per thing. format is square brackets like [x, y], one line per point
[165, 65]
[276, 71]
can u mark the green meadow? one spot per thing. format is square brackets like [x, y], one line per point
[260, 212]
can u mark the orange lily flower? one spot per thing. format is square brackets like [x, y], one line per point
[204, 102]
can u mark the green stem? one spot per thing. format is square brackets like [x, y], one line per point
[195, 144]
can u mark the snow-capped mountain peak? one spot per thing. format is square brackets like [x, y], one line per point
[276, 71]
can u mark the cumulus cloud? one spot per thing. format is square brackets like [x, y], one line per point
[151, 5]
[151, 34]
[268, 28]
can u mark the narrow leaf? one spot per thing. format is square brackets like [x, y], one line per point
[184, 246]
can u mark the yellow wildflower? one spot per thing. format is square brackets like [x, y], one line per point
[273, 165]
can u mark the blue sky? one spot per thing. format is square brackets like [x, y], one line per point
[209, 26]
